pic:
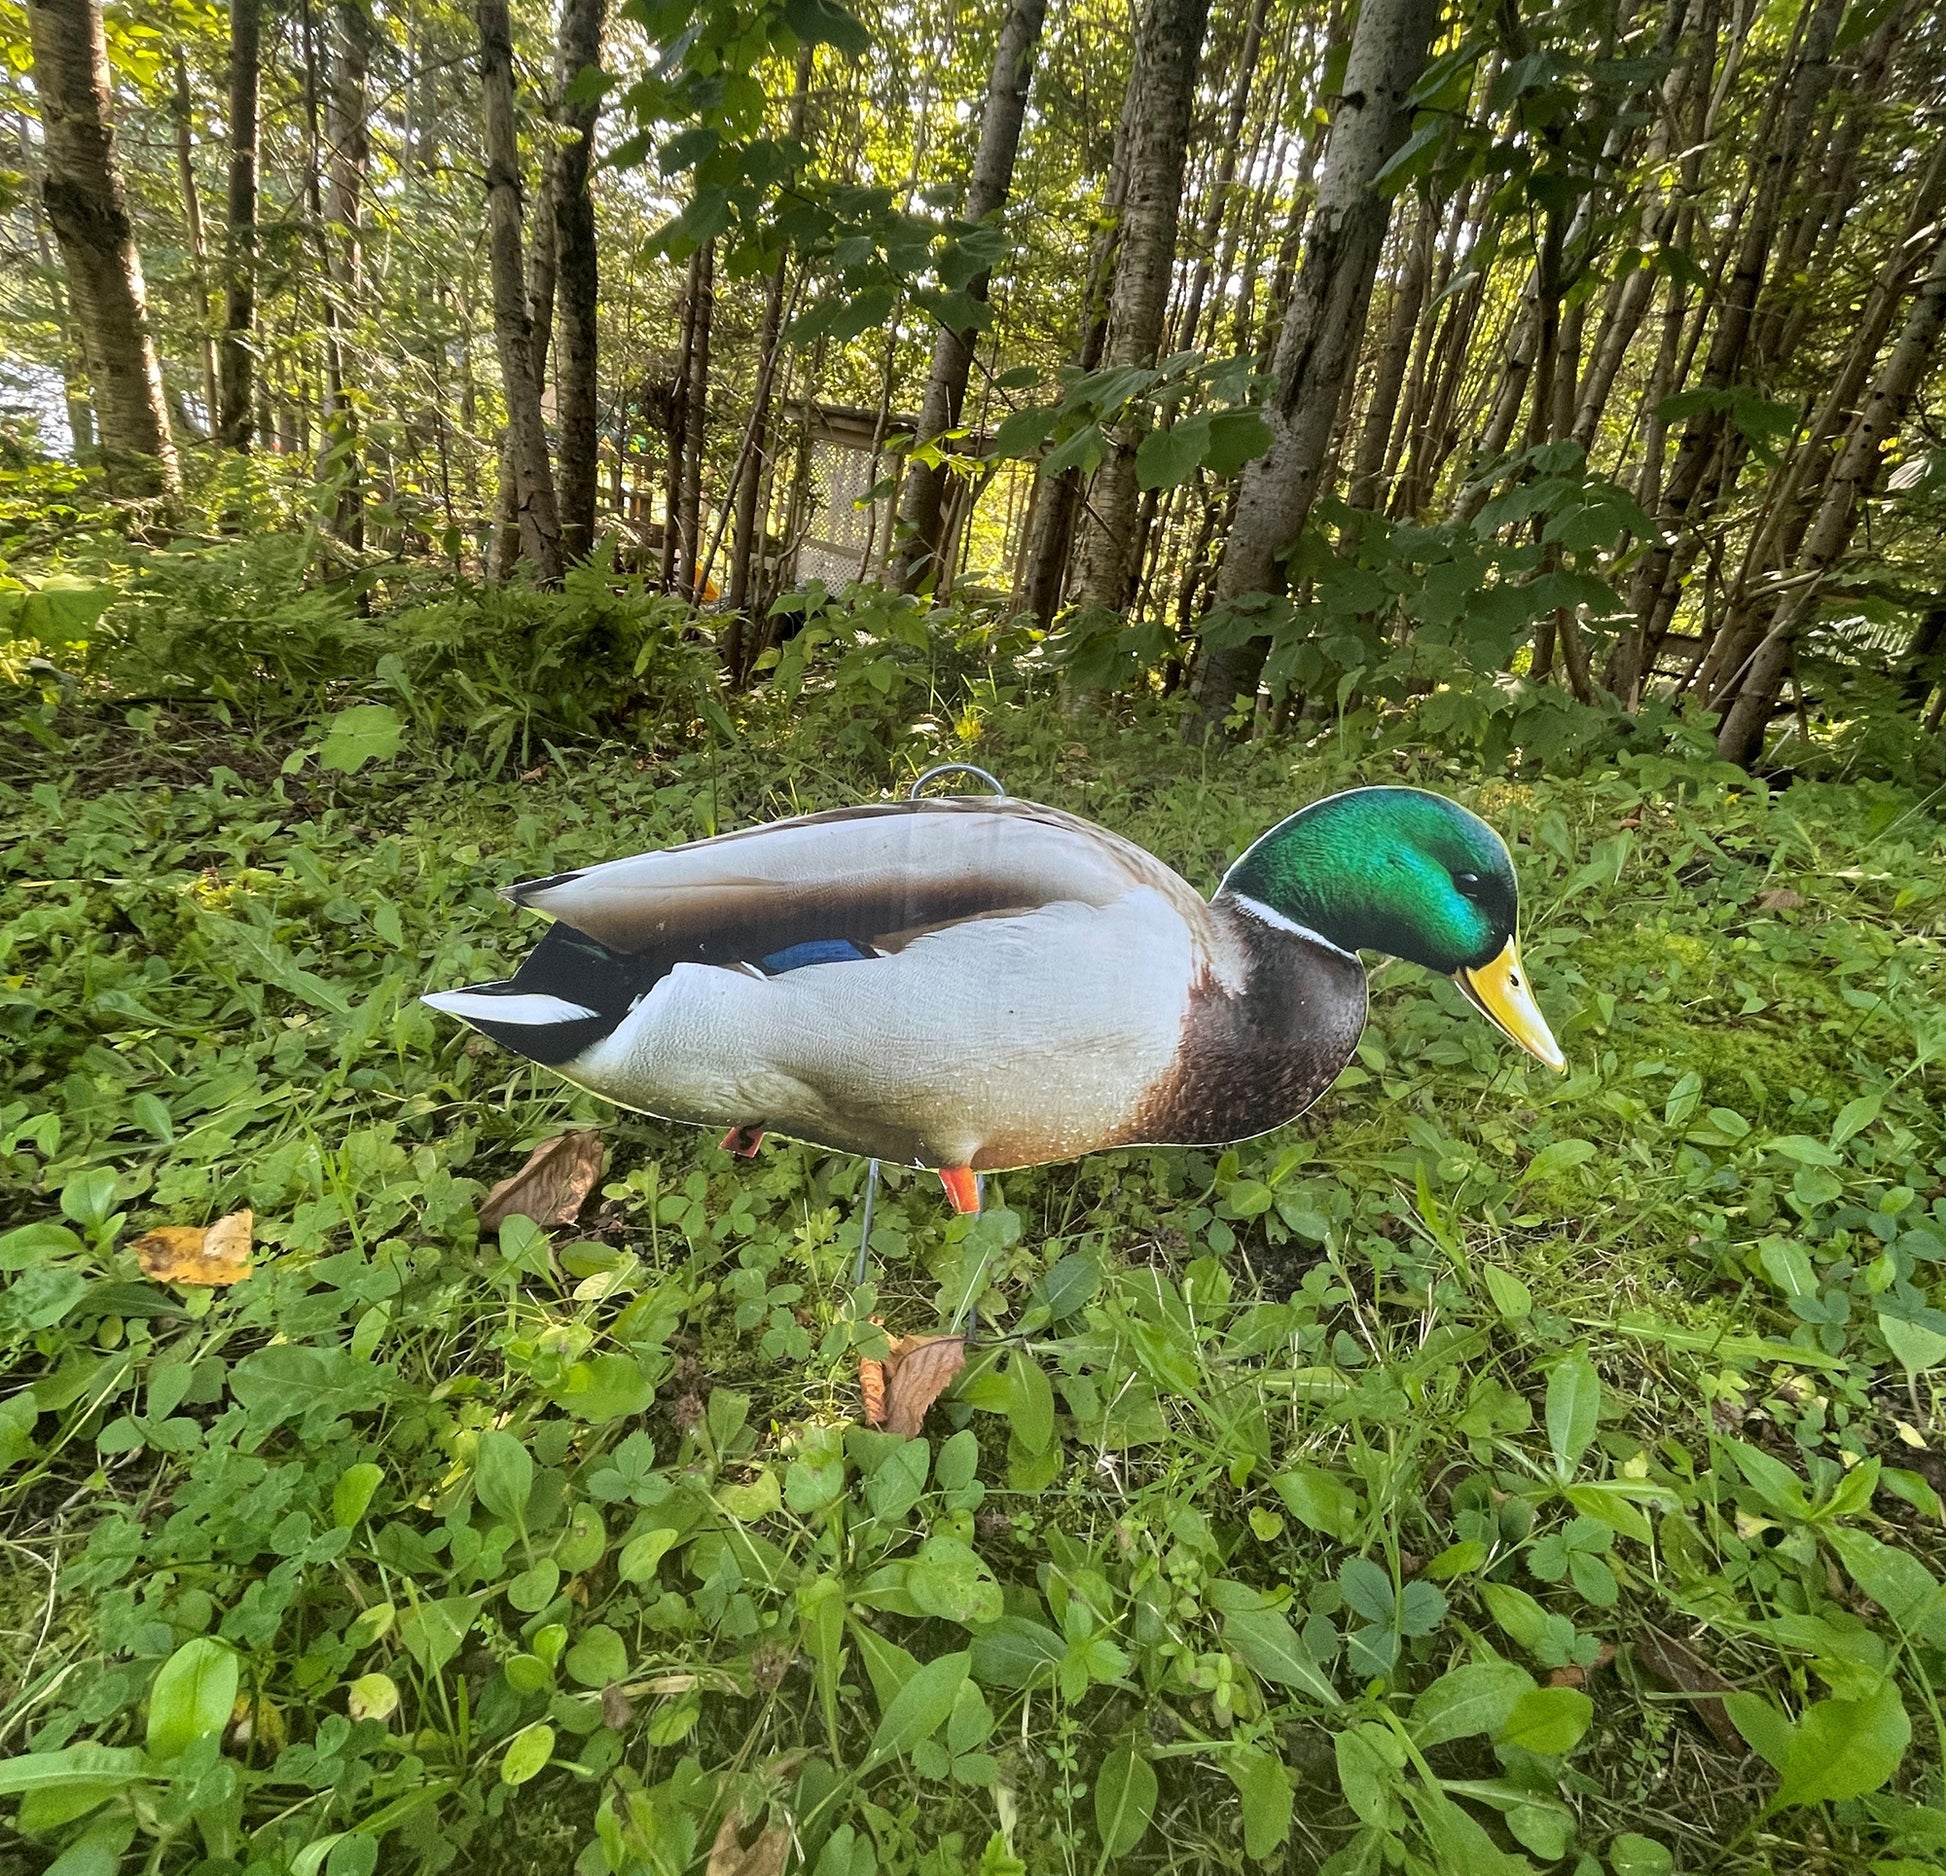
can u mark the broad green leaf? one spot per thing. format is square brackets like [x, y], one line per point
[1477, 1698]
[599, 1658]
[1547, 1720]
[1235, 438]
[1854, 1117]
[192, 1696]
[1845, 1748]
[919, 1708]
[1016, 1653]
[1370, 1758]
[1632, 1854]
[1265, 1793]
[1914, 1347]
[1786, 1266]
[527, 1754]
[503, 1476]
[1271, 1647]
[1774, 1482]
[1895, 1579]
[1125, 1793]
[1168, 457]
[351, 1496]
[1512, 1298]
[1769, 1733]
[948, 1580]
[372, 1697]
[1573, 1408]
[432, 1631]
[1320, 1499]
[107, 1766]
[640, 1555]
[364, 733]
[1030, 1401]
[1558, 1158]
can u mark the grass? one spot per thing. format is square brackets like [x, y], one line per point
[1308, 1506]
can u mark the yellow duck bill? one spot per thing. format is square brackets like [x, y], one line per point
[1501, 993]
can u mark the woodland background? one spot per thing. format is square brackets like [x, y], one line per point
[440, 447]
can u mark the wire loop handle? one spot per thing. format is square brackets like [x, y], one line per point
[955, 768]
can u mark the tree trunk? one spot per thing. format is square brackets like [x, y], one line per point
[1801, 89]
[348, 127]
[695, 411]
[88, 210]
[1053, 536]
[1167, 56]
[578, 405]
[1223, 183]
[237, 360]
[513, 325]
[192, 216]
[1369, 464]
[952, 355]
[1740, 736]
[752, 510]
[1317, 348]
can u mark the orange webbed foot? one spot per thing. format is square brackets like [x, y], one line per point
[962, 1185]
[743, 1141]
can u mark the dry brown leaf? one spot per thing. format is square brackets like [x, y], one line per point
[763, 1856]
[871, 1384]
[616, 1707]
[552, 1187]
[197, 1257]
[1677, 1665]
[1779, 899]
[919, 1369]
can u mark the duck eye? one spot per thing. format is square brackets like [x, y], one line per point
[1468, 883]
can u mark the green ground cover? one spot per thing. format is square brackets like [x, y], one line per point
[1490, 1472]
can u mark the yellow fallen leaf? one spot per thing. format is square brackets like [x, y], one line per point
[197, 1257]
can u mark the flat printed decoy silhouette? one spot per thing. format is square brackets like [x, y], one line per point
[971, 984]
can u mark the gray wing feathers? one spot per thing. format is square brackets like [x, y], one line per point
[860, 873]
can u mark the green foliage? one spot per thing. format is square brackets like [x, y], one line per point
[1292, 1496]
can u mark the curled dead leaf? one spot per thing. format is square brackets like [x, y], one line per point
[918, 1369]
[1677, 1665]
[871, 1384]
[552, 1187]
[197, 1257]
[1779, 899]
[763, 1856]
[616, 1707]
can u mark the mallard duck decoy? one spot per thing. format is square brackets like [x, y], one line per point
[971, 984]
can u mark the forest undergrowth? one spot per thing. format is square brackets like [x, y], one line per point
[1489, 1472]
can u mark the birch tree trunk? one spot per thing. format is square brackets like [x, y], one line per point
[1317, 347]
[236, 360]
[87, 208]
[1167, 56]
[918, 562]
[513, 325]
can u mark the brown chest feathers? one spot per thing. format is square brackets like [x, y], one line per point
[1254, 1058]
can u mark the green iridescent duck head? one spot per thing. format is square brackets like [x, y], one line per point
[1410, 874]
